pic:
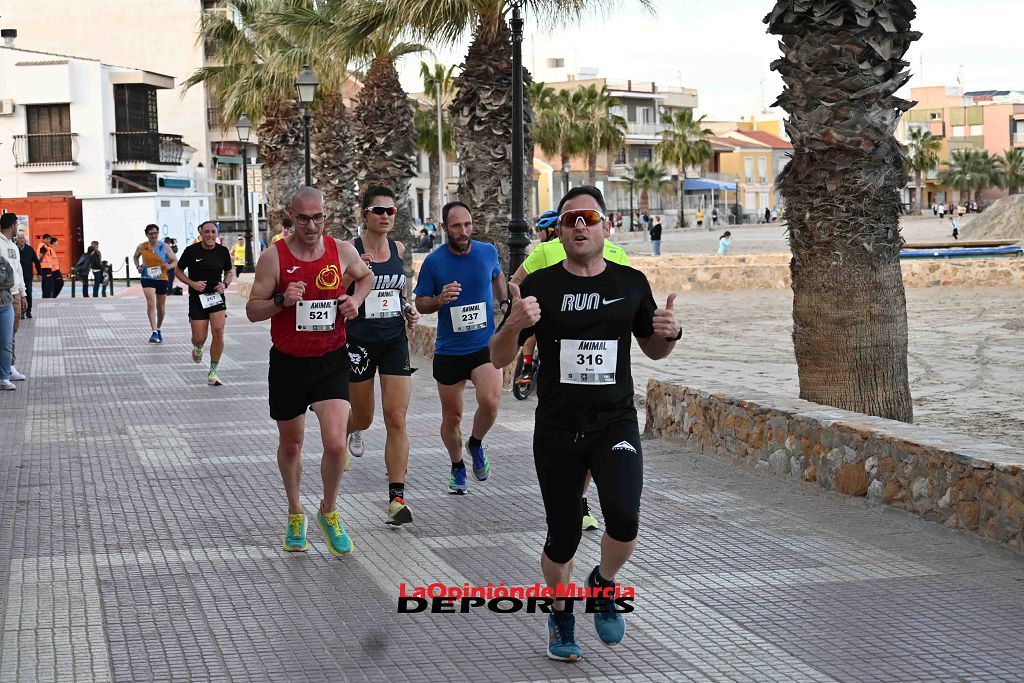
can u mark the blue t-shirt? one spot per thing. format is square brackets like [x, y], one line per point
[473, 311]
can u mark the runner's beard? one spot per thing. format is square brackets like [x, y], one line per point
[459, 245]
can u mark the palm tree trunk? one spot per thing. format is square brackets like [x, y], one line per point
[645, 201]
[592, 169]
[682, 198]
[434, 162]
[919, 200]
[565, 174]
[482, 116]
[842, 193]
[384, 139]
[333, 168]
[280, 135]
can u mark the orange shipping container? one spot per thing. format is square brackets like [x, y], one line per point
[60, 217]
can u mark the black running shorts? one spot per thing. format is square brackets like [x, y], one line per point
[449, 370]
[162, 287]
[297, 383]
[196, 310]
[387, 357]
[614, 457]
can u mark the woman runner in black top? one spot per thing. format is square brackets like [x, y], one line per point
[378, 343]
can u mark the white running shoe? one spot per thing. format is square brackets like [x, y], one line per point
[355, 444]
[16, 376]
[7, 385]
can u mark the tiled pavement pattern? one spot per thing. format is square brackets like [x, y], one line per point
[141, 516]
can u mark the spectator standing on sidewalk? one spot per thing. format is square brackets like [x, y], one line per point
[12, 301]
[656, 236]
[955, 226]
[81, 271]
[96, 268]
[28, 258]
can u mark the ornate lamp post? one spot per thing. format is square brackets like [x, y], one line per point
[306, 84]
[518, 231]
[243, 128]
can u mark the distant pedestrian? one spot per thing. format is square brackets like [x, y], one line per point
[238, 255]
[724, 242]
[700, 218]
[28, 260]
[935, 209]
[767, 215]
[96, 268]
[48, 264]
[714, 216]
[962, 210]
[81, 271]
[656, 236]
[955, 226]
[108, 278]
[942, 211]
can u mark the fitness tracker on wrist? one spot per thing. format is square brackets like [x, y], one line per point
[279, 299]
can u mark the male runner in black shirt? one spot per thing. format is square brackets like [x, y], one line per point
[584, 313]
[208, 267]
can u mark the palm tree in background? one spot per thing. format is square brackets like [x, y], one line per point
[437, 86]
[1011, 170]
[842, 64]
[600, 130]
[970, 171]
[684, 143]
[383, 134]
[649, 177]
[482, 106]
[922, 157]
[558, 128]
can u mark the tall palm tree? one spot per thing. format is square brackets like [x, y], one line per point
[922, 157]
[482, 106]
[253, 73]
[842, 64]
[649, 177]
[333, 167]
[970, 171]
[437, 86]
[683, 144]
[558, 128]
[1011, 170]
[601, 131]
[383, 135]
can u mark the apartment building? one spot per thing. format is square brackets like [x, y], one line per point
[752, 159]
[79, 128]
[991, 120]
[159, 37]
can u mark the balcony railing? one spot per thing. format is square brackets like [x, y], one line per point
[46, 149]
[146, 147]
[648, 129]
[214, 120]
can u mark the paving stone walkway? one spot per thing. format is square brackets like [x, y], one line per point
[141, 515]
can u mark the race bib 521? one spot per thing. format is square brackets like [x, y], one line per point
[316, 316]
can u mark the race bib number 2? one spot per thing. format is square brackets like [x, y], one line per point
[316, 316]
[588, 361]
[470, 317]
[383, 303]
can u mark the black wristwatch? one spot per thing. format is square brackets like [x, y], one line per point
[677, 337]
[279, 299]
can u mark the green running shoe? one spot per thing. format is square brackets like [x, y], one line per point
[213, 380]
[338, 541]
[295, 535]
[589, 521]
[197, 354]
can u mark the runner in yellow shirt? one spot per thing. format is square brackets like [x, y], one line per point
[548, 253]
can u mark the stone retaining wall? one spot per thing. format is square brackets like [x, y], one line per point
[687, 272]
[958, 481]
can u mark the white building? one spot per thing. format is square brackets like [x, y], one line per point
[159, 37]
[80, 128]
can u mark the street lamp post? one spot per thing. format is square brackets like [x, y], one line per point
[631, 181]
[518, 232]
[243, 128]
[306, 85]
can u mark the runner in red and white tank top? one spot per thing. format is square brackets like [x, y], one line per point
[298, 287]
[322, 280]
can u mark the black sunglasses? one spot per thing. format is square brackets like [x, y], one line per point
[383, 210]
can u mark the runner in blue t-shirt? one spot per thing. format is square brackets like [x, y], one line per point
[459, 282]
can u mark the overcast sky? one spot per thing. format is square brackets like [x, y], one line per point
[721, 48]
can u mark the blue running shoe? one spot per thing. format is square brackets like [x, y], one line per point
[562, 643]
[457, 481]
[337, 539]
[159, 337]
[154, 338]
[481, 465]
[609, 624]
[295, 536]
